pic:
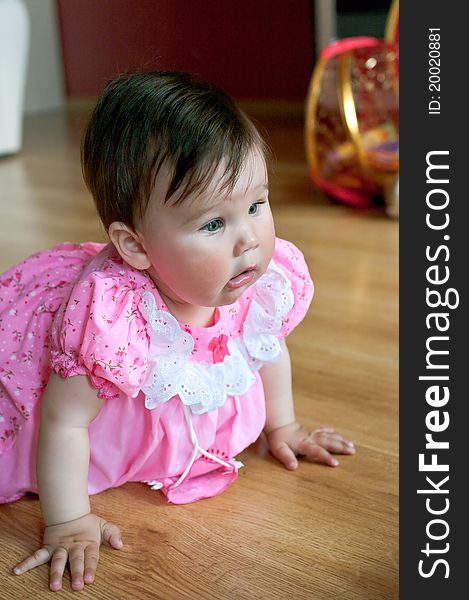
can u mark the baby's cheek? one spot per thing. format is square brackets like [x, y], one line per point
[200, 266]
[213, 268]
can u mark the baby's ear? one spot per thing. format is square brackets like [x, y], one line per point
[127, 243]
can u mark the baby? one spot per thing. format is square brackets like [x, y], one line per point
[160, 356]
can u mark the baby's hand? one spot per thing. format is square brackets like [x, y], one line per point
[292, 440]
[76, 542]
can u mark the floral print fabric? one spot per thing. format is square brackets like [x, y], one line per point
[74, 309]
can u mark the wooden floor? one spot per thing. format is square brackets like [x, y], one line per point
[314, 533]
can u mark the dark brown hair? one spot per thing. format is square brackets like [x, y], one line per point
[144, 120]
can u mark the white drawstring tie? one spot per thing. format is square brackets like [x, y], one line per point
[197, 449]
[156, 485]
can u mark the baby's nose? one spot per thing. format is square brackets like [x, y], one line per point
[247, 240]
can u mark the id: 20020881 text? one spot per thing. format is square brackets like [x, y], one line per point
[434, 64]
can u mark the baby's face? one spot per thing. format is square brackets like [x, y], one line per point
[208, 249]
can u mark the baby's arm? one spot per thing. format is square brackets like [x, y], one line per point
[72, 533]
[286, 437]
[63, 453]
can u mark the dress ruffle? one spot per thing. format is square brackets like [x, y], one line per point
[116, 329]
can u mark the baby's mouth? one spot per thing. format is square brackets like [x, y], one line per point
[243, 278]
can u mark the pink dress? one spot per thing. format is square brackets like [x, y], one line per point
[180, 402]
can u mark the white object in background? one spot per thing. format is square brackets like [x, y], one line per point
[44, 80]
[14, 48]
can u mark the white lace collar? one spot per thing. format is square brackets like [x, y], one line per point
[202, 386]
[272, 301]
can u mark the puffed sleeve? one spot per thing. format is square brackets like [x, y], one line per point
[100, 332]
[292, 262]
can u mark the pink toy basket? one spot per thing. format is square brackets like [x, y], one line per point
[352, 119]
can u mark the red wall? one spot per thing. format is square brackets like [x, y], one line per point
[254, 49]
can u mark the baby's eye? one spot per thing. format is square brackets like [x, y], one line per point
[254, 208]
[213, 226]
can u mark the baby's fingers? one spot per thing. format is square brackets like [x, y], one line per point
[112, 535]
[316, 452]
[285, 455]
[57, 568]
[77, 565]
[40, 557]
[335, 443]
[91, 562]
